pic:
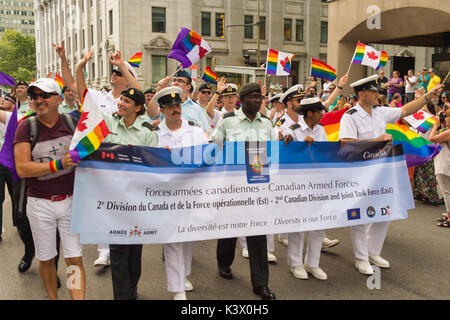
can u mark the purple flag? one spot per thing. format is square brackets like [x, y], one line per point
[6, 80]
[7, 153]
[189, 48]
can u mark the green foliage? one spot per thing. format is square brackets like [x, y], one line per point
[18, 55]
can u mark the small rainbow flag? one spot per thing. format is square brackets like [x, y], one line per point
[331, 123]
[368, 56]
[136, 60]
[321, 70]
[278, 63]
[427, 125]
[189, 48]
[91, 130]
[422, 121]
[59, 80]
[209, 75]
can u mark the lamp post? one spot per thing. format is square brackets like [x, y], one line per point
[258, 57]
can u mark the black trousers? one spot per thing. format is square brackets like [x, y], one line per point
[5, 178]
[257, 253]
[125, 270]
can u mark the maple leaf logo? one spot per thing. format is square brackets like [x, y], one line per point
[284, 62]
[372, 55]
[81, 125]
[419, 116]
[202, 52]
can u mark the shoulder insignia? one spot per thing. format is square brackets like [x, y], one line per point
[376, 106]
[320, 124]
[149, 126]
[116, 114]
[192, 123]
[229, 114]
[280, 123]
[264, 116]
[294, 126]
[351, 111]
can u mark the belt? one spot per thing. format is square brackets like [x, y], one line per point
[58, 198]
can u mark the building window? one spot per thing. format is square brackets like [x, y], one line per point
[159, 68]
[248, 29]
[323, 32]
[206, 24]
[158, 19]
[220, 25]
[299, 30]
[287, 29]
[111, 22]
[92, 35]
[262, 28]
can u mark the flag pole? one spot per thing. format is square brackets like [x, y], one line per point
[448, 73]
[178, 69]
[351, 62]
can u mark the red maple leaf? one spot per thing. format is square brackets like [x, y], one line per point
[81, 125]
[372, 55]
[202, 51]
[283, 62]
[419, 116]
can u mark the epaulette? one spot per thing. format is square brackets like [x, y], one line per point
[320, 124]
[116, 114]
[280, 123]
[376, 106]
[294, 126]
[229, 114]
[192, 123]
[351, 111]
[149, 126]
[264, 116]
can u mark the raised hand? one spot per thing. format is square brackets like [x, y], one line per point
[343, 81]
[116, 58]
[222, 84]
[60, 50]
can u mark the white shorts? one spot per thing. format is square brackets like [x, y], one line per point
[45, 216]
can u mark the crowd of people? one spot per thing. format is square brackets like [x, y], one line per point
[181, 112]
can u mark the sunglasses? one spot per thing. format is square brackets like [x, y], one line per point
[175, 80]
[117, 73]
[205, 92]
[43, 95]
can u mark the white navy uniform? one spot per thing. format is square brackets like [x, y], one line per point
[296, 239]
[178, 256]
[358, 124]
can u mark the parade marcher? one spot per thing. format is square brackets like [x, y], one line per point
[22, 98]
[149, 94]
[68, 105]
[175, 132]
[228, 93]
[367, 122]
[246, 124]
[204, 94]
[307, 129]
[190, 110]
[277, 108]
[127, 126]
[50, 173]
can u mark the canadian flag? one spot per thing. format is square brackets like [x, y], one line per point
[371, 57]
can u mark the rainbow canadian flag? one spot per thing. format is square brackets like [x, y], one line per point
[368, 56]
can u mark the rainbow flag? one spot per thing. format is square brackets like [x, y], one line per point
[331, 123]
[91, 130]
[59, 80]
[209, 75]
[189, 48]
[368, 56]
[278, 62]
[422, 121]
[136, 60]
[321, 70]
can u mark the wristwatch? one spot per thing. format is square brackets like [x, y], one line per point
[339, 87]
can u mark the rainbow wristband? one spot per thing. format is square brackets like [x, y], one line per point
[56, 165]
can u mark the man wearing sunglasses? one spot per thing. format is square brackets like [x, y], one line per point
[50, 173]
[22, 98]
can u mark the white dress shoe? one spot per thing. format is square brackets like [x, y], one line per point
[299, 272]
[102, 261]
[283, 241]
[316, 272]
[188, 285]
[364, 267]
[271, 257]
[327, 243]
[180, 296]
[245, 252]
[378, 261]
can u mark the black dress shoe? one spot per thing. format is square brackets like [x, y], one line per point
[24, 264]
[133, 294]
[225, 272]
[264, 292]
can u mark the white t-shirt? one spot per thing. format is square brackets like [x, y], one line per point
[358, 124]
[186, 135]
[411, 88]
[299, 134]
[105, 101]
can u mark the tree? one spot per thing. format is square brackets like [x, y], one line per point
[18, 55]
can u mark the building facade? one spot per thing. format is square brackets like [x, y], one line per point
[17, 15]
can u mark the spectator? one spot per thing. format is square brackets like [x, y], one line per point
[383, 100]
[352, 100]
[434, 79]
[396, 101]
[445, 105]
[382, 83]
[423, 79]
[395, 85]
[442, 164]
[410, 86]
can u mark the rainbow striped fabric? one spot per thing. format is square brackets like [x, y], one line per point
[189, 48]
[136, 60]
[91, 130]
[331, 123]
[209, 75]
[321, 70]
[278, 63]
[368, 56]
[422, 121]
[427, 125]
[59, 80]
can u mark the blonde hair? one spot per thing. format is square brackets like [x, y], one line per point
[383, 99]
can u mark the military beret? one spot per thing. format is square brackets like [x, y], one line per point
[369, 83]
[151, 90]
[249, 88]
[21, 83]
[205, 86]
[183, 73]
[134, 94]
[169, 96]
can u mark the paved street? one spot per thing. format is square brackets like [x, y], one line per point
[416, 249]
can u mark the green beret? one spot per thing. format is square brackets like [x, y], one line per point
[249, 88]
[151, 90]
[134, 94]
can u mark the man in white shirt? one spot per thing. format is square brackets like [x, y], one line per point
[410, 86]
[176, 132]
[367, 122]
